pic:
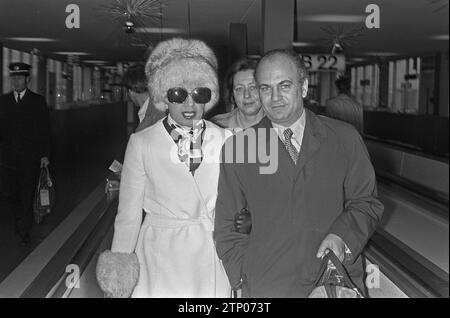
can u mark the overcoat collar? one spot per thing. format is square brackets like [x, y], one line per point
[312, 136]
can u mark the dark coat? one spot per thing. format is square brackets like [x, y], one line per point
[332, 189]
[25, 129]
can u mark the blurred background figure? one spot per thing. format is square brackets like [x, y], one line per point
[136, 82]
[344, 106]
[241, 91]
[25, 127]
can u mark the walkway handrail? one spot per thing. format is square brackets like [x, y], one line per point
[416, 276]
[45, 265]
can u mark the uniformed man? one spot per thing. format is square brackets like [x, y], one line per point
[26, 135]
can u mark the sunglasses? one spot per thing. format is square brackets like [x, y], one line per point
[200, 95]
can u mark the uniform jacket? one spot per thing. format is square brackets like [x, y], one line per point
[25, 128]
[174, 244]
[332, 189]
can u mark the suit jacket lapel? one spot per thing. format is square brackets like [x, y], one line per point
[286, 166]
[12, 98]
[25, 95]
[311, 141]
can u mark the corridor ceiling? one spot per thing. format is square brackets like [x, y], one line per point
[406, 26]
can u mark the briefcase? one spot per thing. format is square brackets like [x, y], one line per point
[333, 280]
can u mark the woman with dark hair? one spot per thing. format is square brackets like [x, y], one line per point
[242, 93]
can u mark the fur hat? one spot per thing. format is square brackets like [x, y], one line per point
[177, 61]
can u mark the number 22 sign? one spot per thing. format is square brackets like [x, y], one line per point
[324, 62]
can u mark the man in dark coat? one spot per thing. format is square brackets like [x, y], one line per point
[26, 136]
[320, 196]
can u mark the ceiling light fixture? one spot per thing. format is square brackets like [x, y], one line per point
[95, 61]
[338, 18]
[72, 53]
[443, 37]
[129, 27]
[301, 44]
[133, 13]
[160, 30]
[338, 39]
[31, 39]
[381, 53]
[357, 59]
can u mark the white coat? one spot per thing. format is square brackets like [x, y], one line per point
[174, 244]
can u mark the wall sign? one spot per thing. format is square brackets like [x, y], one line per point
[324, 62]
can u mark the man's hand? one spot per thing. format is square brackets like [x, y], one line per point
[44, 162]
[334, 243]
[243, 221]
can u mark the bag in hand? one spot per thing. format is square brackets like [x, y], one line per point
[333, 280]
[44, 197]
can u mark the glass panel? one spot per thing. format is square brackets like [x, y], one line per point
[26, 58]
[15, 56]
[5, 71]
[34, 72]
[354, 79]
[392, 75]
[359, 93]
[404, 76]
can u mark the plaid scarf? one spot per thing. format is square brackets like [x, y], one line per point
[189, 142]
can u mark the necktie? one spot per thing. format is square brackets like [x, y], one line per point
[289, 146]
[18, 97]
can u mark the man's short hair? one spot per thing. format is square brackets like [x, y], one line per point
[343, 84]
[240, 65]
[293, 56]
[135, 78]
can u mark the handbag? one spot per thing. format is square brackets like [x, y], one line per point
[333, 280]
[44, 197]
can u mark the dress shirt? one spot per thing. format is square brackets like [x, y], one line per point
[16, 95]
[297, 128]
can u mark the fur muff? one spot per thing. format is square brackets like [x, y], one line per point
[117, 273]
